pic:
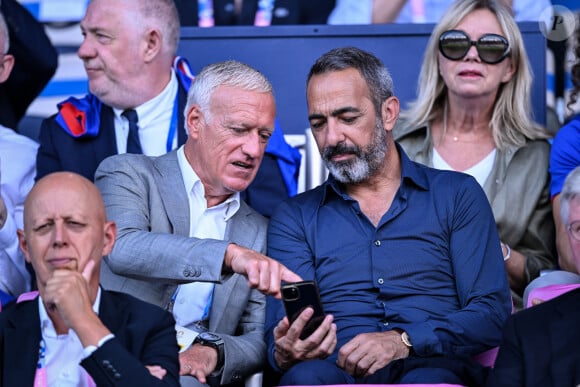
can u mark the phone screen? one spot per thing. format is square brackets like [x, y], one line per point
[296, 297]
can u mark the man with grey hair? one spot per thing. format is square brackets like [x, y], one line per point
[136, 93]
[406, 257]
[138, 90]
[17, 170]
[540, 344]
[570, 212]
[183, 230]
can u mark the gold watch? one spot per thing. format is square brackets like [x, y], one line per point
[406, 340]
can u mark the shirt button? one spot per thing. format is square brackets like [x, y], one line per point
[386, 323]
[377, 243]
[381, 281]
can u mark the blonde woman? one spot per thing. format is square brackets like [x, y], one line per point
[472, 114]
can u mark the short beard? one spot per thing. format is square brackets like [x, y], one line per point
[366, 162]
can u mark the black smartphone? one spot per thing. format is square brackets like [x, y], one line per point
[296, 297]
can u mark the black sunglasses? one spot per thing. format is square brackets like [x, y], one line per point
[491, 48]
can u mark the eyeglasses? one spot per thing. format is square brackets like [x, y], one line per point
[574, 230]
[491, 48]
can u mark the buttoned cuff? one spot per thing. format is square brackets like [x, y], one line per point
[88, 350]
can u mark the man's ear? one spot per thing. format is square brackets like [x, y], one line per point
[390, 112]
[23, 245]
[153, 43]
[6, 66]
[110, 235]
[195, 120]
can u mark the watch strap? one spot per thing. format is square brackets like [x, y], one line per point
[217, 343]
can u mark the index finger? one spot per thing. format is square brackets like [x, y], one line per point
[285, 275]
[88, 270]
[289, 276]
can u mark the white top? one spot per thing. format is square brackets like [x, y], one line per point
[17, 172]
[64, 353]
[154, 122]
[193, 300]
[479, 171]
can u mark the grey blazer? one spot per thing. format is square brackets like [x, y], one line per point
[153, 253]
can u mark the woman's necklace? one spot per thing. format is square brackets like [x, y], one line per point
[444, 131]
[455, 137]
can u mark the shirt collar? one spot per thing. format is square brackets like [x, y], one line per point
[149, 111]
[46, 324]
[411, 173]
[192, 182]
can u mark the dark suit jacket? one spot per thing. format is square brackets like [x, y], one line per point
[36, 61]
[285, 12]
[60, 151]
[540, 346]
[144, 335]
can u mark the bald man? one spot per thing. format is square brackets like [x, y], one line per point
[75, 333]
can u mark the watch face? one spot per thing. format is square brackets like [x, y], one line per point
[209, 336]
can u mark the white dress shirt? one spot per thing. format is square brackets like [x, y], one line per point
[64, 353]
[155, 118]
[193, 300]
[17, 172]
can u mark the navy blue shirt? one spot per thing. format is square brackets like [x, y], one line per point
[433, 266]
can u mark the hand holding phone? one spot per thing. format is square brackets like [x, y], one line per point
[296, 297]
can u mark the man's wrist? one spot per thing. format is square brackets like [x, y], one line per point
[229, 255]
[211, 340]
[281, 361]
[405, 341]
[89, 349]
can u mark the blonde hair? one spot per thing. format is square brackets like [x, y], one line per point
[511, 122]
